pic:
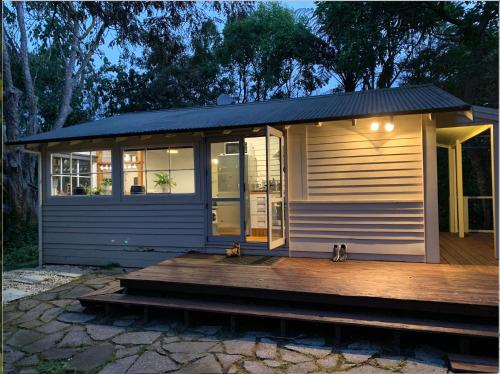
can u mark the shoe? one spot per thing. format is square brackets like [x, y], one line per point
[335, 253]
[342, 253]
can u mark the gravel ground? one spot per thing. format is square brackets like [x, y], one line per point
[50, 332]
[26, 282]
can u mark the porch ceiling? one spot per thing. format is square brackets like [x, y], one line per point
[450, 135]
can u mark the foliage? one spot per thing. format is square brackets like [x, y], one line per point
[20, 245]
[164, 179]
[53, 367]
[107, 182]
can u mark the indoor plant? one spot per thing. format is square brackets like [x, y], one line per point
[164, 181]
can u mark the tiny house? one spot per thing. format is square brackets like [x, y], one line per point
[291, 177]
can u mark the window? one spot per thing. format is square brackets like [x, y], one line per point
[158, 170]
[81, 173]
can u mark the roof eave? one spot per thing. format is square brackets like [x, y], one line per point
[337, 118]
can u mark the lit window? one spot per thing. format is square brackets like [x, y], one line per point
[159, 170]
[81, 173]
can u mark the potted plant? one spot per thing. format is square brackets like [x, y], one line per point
[164, 181]
[96, 191]
[105, 185]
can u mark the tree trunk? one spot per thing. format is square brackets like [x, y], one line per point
[19, 191]
[69, 83]
[31, 98]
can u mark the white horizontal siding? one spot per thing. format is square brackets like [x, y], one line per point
[364, 188]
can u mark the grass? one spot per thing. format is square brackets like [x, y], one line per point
[20, 246]
[53, 367]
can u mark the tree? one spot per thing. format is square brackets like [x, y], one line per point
[271, 53]
[461, 56]
[371, 43]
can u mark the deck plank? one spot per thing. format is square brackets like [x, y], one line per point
[467, 285]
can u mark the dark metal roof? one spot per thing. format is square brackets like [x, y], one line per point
[401, 100]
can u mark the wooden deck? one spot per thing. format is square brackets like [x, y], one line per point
[400, 296]
[474, 249]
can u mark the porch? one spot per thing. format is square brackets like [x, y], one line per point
[475, 248]
[431, 298]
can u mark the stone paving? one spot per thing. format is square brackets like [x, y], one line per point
[51, 333]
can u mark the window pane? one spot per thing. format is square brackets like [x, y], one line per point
[66, 166]
[225, 172]
[57, 186]
[81, 185]
[66, 185]
[56, 164]
[181, 158]
[103, 183]
[133, 182]
[275, 165]
[80, 163]
[158, 181]
[276, 220]
[226, 218]
[182, 181]
[157, 159]
[133, 160]
[103, 162]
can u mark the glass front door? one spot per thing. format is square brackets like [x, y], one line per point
[245, 190]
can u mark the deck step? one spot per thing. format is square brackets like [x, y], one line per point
[472, 364]
[297, 314]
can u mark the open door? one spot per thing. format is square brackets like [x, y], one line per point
[275, 194]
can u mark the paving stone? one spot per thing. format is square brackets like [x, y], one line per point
[10, 294]
[78, 308]
[43, 344]
[318, 352]
[256, 367]
[59, 353]
[390, 361]
[91, 358]
[28, 361]
[305, 367]
[184, 358]
[293, 357]
[119, 366]
[273, 363]
[123, 322]
[152, 363]
[12, 316]
[357, 356]
[420, 367]
[62, 303]
[27, 304]
[188, 347]
[367, 369]
[75, 317]
[124, 352]
[207, 364]
[75, 339]
[243, 347]
[217, 348]
[31, 324]
[328, 362]
[157, 326]
[23, 337]
[428, 354]
[140, 337]
[52, 327]
[45, 296]
[11, 355]
[50, 314]
[266, 349]
[76, 292]
[103, 332]
[311, 341]
[170, 339]
[10, 307]
[29, 371]
[227, 360]
[208, 329]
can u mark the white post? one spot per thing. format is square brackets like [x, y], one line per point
[460, 190]
[494, 181]
[452, 180]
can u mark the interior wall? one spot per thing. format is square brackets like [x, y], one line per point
[361, 186]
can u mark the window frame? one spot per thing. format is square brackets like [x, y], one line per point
[159, 196]
[48, 174]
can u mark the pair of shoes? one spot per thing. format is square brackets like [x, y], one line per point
[339, 253]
